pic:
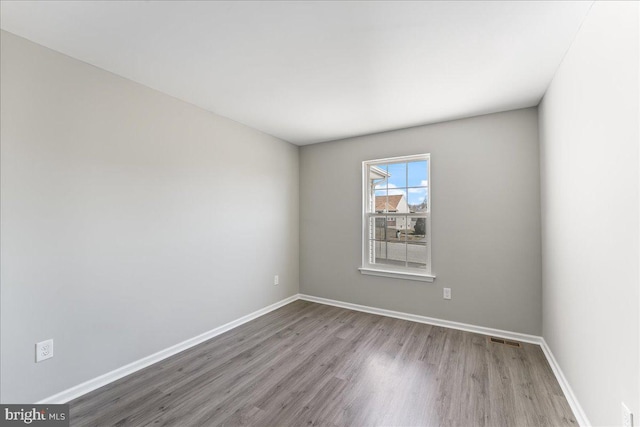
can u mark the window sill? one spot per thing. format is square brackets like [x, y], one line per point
[398, 274]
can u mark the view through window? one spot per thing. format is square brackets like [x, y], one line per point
[397, 210]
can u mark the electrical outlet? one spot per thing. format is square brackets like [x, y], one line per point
[446, 294]
[44, 350]
[627, 416]
[276, 280]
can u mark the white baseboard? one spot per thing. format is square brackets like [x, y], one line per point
[578, 412]
[95, 383]
[516, 336]
[581, 418]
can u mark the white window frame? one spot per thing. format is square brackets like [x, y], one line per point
[424, 275]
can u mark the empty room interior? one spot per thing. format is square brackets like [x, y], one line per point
[338, 213]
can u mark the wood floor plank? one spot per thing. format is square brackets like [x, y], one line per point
[316, 365]
[158, 374]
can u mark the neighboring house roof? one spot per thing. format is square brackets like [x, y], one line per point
[388, 203]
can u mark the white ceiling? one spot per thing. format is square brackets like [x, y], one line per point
[316, 71]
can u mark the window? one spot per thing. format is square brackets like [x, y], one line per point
[396, 219]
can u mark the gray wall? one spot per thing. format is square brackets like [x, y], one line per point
[485, 221]
[589, 159]
[131, 220]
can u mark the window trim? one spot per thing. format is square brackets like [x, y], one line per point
[391, 270]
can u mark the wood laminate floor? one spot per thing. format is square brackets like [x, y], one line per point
[309, 364]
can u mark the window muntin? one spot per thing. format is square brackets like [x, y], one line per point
[396, 217]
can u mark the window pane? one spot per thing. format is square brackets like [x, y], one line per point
[396, 201]
[381, 201]
[397, 175]
[396, 253]
[378, 175]
[417, 255]
[418, 200]
[418, 174]
[417, 230]
[380, 185]
[378, 227]
[377, 251]
[393, 233]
